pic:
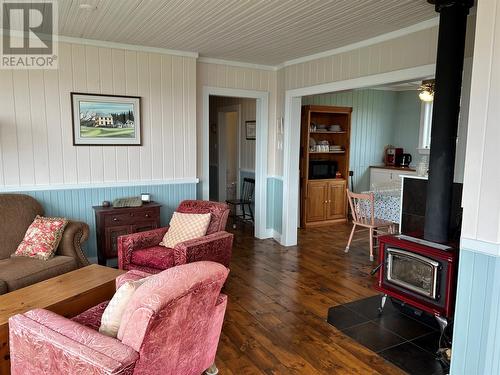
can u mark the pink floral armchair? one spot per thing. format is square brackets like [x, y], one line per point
[141, 251]
[171, 326]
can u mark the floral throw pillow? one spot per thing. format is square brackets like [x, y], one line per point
[42, 238]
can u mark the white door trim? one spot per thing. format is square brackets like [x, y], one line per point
[292, 135]
[261, 149]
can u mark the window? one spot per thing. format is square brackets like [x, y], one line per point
[424, 143]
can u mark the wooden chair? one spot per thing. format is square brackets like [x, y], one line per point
[363, 215]
[246, 199]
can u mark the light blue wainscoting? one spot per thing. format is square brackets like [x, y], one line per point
[76, 203]
[274, 203]
[476, 335]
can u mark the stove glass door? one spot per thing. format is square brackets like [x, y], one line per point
[412, 271]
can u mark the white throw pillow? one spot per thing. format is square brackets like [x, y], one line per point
[112, 315]
[185, 227]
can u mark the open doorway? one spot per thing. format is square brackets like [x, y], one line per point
[232, 146]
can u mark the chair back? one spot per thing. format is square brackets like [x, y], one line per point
[219, 211]
[247, 189]
[169, 318]
[362, 207]
[17, 213]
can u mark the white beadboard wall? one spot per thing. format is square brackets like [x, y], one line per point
[36, 146]
[226, 76]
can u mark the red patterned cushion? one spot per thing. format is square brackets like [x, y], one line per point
[92, 317]
[42, 238]
[158, 257]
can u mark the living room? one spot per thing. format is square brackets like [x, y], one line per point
[104, 144]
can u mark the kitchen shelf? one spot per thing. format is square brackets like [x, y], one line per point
[327, 152]
[327, 132]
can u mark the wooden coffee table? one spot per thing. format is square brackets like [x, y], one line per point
[67, 295]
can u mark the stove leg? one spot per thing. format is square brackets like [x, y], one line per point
[443, 323]
[382, 303]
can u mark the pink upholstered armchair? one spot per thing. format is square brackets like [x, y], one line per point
[171, 326]
[141, 251]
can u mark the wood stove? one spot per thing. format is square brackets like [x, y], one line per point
[419, 273]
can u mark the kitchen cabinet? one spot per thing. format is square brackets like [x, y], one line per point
[325, 202]
[380, 176]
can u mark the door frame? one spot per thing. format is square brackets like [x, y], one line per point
[231, 108]
[261, 149]
[291, 142]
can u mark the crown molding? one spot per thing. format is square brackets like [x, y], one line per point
[114, 45]
[240, 64]
[365, 43]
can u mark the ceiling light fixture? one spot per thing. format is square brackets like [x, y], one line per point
[426, 93]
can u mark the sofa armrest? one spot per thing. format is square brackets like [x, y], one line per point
[129, 243]
[42, 342]
[75, 233]
[132, 275]
[216, 247]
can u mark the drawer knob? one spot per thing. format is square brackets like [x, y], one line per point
[147, 215]
[115, 219]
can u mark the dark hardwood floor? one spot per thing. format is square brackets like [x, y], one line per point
[278, 301]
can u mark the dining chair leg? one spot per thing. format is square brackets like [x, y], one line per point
[350, 238]
[371, 244]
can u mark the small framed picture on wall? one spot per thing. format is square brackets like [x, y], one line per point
[251, 130]
[106, 120]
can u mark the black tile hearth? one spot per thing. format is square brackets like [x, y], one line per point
[405, 339]
[341, 317]
[373, 337]
[413, 360]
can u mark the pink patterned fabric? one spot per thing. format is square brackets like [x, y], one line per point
[42, 342]
[92, 317]
[159, 257]
[215, 246]
[42, 238]
[171, 326]
[130, 276]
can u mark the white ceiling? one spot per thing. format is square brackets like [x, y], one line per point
[266, 32]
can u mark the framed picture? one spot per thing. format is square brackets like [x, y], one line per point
[250, 130]
[106, 120]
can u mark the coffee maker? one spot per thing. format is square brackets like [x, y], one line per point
[403, 160]
[392, 155]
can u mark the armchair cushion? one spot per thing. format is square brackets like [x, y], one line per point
[19, 272]
[159, 257]
[43, 342]
[185, 227]
[92, 317]
[132, 242]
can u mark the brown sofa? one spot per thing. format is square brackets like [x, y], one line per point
[17, 212]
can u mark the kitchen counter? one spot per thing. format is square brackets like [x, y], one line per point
[409, 169]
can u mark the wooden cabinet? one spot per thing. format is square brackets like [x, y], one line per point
[112, 223]
[324, 164]
[325, 202]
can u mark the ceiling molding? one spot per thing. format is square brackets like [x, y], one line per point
[240, 64]
[114, 45]
[365, 43]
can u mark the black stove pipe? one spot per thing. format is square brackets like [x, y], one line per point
[446, 108]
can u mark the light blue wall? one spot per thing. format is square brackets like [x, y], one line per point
[375, 115]
[407, 122]
[476, 336]
[76, 204]
[274, 203]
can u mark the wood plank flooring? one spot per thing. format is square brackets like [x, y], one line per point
[278, 301]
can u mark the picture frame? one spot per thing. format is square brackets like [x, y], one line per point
[251, 130]
[106, 120]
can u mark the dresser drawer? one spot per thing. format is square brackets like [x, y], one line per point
[131, 217]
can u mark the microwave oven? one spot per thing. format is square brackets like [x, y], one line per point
[322, 169]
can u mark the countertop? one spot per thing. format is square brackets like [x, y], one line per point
[393, 168]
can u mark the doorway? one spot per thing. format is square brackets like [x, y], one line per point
[252, 149]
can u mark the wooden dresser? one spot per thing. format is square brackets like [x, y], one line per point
[114, 222]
